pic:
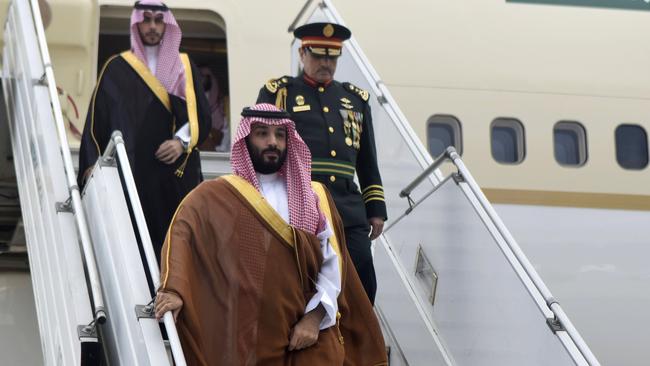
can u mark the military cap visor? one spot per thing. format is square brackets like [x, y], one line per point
[323, 52]
[141, 6]
[323, 39]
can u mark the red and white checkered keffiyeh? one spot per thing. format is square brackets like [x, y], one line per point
[169, 69]
[303, 202]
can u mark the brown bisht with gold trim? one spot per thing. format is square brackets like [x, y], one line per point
[245, 276]
[129, 98]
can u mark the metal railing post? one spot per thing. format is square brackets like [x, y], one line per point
[428, 171]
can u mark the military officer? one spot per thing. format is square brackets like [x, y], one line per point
[334, 119]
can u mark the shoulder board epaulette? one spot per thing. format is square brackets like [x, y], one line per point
[355, 89]
[274, 84]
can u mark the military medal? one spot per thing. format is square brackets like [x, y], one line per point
[356, 118]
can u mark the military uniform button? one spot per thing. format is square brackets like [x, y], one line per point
[284, 80]
[321, 89]
[332, 178]
[331, 129]
[325, 109]
[348, 141]
[333, 153]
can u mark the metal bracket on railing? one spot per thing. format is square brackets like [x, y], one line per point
[107, 161]
[458, 178]
[381, 98]
[42, 81]
[555, 325]
[411, 204]
[145, 311]
[64, 206]
[87, 331]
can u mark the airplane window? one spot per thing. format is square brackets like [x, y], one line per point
[631, 146]
[570, 141]
[443, 131]
[508, 144]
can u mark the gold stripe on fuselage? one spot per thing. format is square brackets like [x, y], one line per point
[568, 199]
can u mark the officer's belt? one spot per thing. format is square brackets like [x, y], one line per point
[337, 168]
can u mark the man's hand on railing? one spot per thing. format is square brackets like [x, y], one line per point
[169, 151]
[168, 301]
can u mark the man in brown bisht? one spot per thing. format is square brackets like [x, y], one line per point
[253, 263]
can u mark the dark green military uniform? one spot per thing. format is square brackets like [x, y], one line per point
[335, 122]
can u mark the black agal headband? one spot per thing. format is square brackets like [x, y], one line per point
[248, 112]
[140, 6]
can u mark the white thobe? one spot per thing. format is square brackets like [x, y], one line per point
[152, 58]
[182, 133]
[328, 284]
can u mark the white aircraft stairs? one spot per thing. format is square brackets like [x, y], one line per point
[93, 302]
[454, 287]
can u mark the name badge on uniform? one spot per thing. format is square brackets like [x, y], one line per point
[301, 108]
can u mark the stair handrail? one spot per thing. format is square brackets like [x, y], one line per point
[450, 154]
[551, 302]
[47, 79]
[116, 147]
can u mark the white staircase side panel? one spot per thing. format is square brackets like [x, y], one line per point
[482, 309]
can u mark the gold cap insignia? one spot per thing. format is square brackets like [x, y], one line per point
[328, 31]
[300, 100]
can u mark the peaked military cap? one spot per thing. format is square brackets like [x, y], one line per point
[323, 39]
